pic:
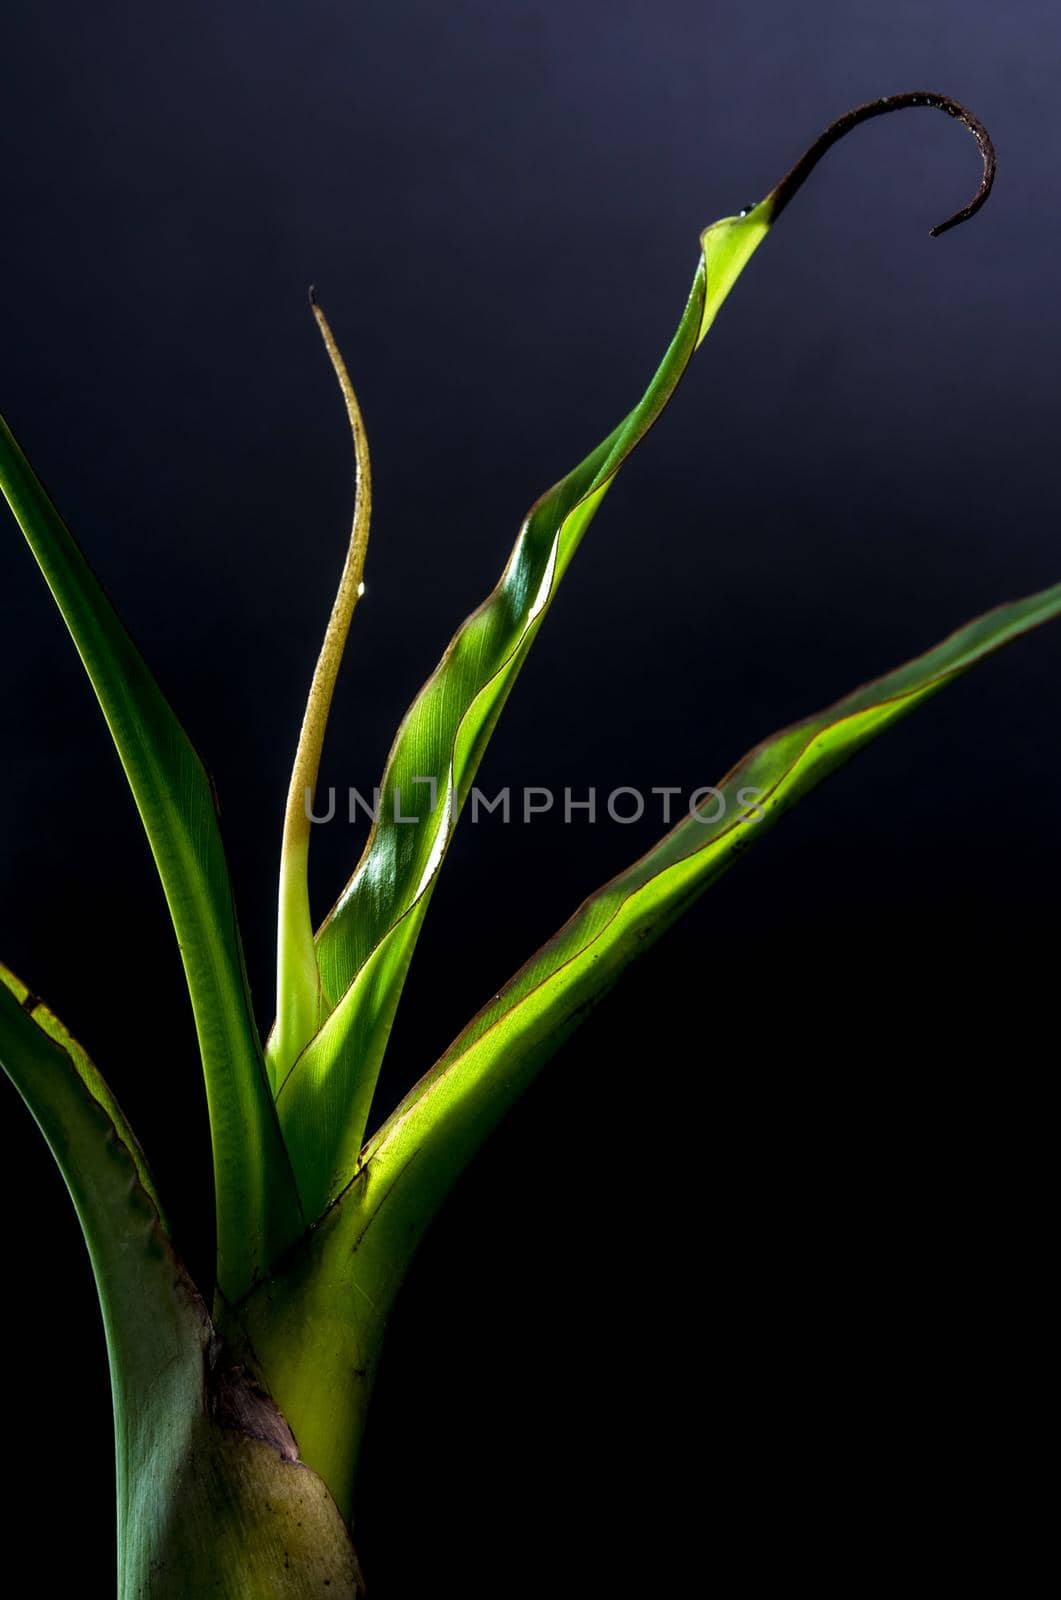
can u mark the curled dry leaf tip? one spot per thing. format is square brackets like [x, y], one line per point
[795, 179]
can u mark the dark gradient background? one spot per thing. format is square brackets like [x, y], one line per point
[752, 1282]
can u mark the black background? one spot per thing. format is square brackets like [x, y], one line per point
[751, 1281]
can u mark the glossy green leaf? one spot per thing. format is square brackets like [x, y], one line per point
[365, 946]
[433, 1132]
[256, 1203]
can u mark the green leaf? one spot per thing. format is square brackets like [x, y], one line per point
[419, 1150]
[257, 1209]
[212, 1496]
[365, 946]
[54, 1082]
[154, 1339]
